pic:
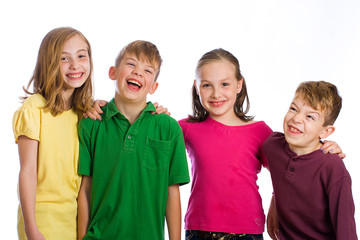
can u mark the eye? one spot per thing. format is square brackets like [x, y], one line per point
[148, 71]
[225, 84]
[64, 59]
[83, 56]
[292, 109]
[205, 85]
[310, 117]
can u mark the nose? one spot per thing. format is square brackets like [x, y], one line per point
[138, 72]
[298, 117]
[74, 64]
[215, 93]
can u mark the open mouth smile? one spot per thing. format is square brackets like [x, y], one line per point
[134, 84]
[74, 76]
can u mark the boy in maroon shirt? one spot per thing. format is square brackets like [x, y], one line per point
[312, 190]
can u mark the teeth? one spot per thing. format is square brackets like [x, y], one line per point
[135, 83]
[217, 103]
[74, 75]
[294, 130]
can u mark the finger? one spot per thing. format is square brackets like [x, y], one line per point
[85, 115]
[93, 115]
[156, 104]
[97, 108]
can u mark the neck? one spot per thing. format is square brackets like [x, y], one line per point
[305, 150]
[229, 120]
[67, 97]
[131, 110]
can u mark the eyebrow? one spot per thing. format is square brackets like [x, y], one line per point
[80, 50]
[138, 60]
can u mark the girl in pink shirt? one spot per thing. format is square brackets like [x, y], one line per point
[224, 145]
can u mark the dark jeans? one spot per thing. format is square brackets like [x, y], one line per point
[204, 235]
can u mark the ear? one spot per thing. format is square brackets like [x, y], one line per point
[327, 131]
[112, 73]
[153, 88]
[196, 87]
[239, 85]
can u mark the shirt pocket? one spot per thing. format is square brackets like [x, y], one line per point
[156, 155]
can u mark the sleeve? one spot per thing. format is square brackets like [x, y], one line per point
[85, 149]
[26, 121]
[179, 173]
[342, 209]
[266, 133]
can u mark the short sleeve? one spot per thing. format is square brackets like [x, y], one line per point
[26, 121]
[179, 173]
[85, 159]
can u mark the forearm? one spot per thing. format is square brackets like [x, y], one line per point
[173, 213]
[28, 181]
[84, 206]
[27, 192]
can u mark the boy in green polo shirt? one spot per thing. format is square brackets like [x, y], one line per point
[132, 161]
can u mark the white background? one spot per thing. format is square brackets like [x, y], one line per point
[278, 43]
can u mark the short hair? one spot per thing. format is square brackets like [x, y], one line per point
[47, 79]
[143, 50]
[199, 112]
[322, 96]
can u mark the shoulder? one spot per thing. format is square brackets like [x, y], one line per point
[184, 123]
[165, 120]
[260, 127]
[274, 138]
[35, 101]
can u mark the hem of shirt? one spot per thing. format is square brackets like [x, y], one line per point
[180, 180]
[26, 134]
[225, 230]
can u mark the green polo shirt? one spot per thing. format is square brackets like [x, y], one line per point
[131, 166]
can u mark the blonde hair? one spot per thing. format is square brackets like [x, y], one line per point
[322, 96]
[47, 79]
[142, 50]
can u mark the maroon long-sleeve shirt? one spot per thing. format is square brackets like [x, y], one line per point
[312, 193]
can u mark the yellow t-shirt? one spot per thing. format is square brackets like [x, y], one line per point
[57, 180]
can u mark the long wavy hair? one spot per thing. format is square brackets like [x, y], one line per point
[47, 79]
[199, 112]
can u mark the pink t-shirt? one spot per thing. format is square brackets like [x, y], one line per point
[225, 163]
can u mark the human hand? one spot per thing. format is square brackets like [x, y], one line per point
[34, 234]
[160, 109]
[332, 148]
[95, 111]
[272, 223]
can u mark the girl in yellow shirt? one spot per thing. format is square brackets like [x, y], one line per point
[45, 128]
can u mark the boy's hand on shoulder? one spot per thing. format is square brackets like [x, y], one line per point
[332, 148]
[160, 109]
[95, 111]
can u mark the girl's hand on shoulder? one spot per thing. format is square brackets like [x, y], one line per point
[95, 111]
[332, 148]
[160, 109]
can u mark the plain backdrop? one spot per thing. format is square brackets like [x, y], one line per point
[278, 43]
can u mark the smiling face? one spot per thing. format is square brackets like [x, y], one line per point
[75, 63]
[135, 78]
[218, 87]
[303, 127]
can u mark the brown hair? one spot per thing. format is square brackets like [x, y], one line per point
[216, 55]
[47, 79]
[142, 49]
[322, 96]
